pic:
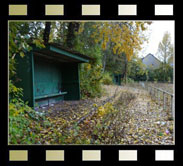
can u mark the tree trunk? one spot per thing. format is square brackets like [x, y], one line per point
[46, 34]
[125, 72]
[104, 62]
[72, 28]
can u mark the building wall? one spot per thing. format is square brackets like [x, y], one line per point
[70, 81]
[151, 61]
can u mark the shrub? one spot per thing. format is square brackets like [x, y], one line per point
[107, 79]
[24, 122]
[90, 80]
[128, 80]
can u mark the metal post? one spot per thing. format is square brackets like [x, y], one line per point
[158, 97]
[164, 101]
[172, 105]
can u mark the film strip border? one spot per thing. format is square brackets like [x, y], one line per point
[59, 156]
[90, 10]
[90, 155]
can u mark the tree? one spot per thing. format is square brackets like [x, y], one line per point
[165, 51]
[91, 74]
[121, 38]
[126, 37]
[136, 69]
[47, 31]
[21, 34]
[71, 36]
[165, 48]
[106, 42]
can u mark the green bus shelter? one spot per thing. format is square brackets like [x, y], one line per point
[117, 79]
[48, 75]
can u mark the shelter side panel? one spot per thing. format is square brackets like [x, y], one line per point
[70, 83]
[24, 77]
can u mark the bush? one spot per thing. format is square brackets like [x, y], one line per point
[90, 80]
[107, 79]
[14, 93]
[161, 74]
[24, 124]
[128, 80]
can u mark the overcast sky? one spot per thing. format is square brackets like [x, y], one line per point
[156, 32]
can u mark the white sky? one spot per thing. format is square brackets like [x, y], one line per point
[156, 32]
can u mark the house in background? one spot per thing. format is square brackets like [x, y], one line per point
[151, 61]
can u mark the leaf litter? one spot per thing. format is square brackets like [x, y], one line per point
[130, 117]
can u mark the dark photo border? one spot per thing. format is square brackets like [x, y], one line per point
[73, 153]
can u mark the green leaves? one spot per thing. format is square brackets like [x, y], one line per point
[39, 43]
[24, 123]
[22, 54]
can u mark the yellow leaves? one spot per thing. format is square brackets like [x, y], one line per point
[115, 49]
[15, 89]
[22, 54]
[101, 111]
[88, 67]
[11, 106]
[86, 122]
[16, 113]
[142, 27]
[128, 57]
[104, 45]
[96, 40]
[109, 106]
[38, 43]
[81, 27]
[112, 123]
[126, 36]
[94, 26]
[94, 105]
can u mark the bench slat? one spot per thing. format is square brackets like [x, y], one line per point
[52, 95]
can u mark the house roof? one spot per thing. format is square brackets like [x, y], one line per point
[151, 55]
[57, 52]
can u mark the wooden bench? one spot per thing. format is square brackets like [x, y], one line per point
[50, 96]
[48, 99]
